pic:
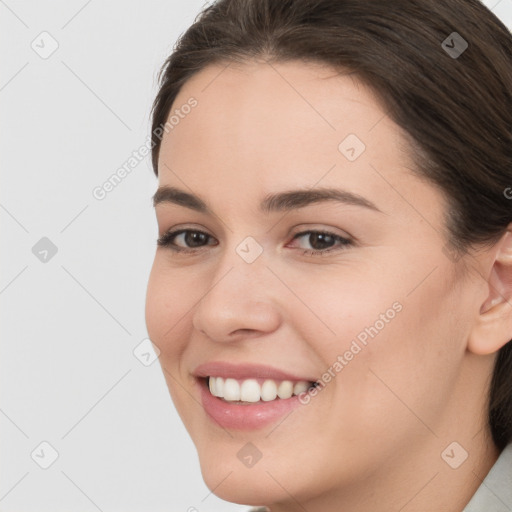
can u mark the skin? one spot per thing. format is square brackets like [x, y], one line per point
[372, 438]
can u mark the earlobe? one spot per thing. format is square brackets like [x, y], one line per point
[489, 304]
[493, 327]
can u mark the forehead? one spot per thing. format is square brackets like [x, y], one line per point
[261, 126]
[263, 98]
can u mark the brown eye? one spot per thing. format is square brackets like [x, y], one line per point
[190, 238]
[322, 242]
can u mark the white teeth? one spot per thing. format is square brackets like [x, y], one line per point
[268, 390]
[249, 390]
[211, 385]
[300, 387]
[231, 389]
[219, 385]
[285, 389]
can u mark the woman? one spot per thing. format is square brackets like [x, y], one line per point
[332, 288]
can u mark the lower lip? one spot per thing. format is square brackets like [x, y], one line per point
[245, 417]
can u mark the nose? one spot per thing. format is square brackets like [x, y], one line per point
[238, 301]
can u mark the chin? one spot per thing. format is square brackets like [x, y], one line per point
[244, 486]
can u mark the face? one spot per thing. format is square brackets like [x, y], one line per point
[354, 291]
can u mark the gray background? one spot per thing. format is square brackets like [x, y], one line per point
[72, 320]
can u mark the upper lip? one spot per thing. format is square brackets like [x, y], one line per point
[245, 371]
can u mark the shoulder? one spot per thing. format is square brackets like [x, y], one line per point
[495, 492]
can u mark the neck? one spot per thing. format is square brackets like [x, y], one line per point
[414, 481]
[428, 471]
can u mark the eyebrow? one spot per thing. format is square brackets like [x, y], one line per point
[278, 202]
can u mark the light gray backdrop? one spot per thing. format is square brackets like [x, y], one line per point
[86, 420]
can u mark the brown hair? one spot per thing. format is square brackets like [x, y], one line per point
[456, 107]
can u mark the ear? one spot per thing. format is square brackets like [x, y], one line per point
[493, 327]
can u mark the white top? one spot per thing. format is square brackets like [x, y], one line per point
[494, 493]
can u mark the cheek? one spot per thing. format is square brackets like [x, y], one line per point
[343, 305]
[165, 306]
[166, 322]
[384, 339]
[399, 379]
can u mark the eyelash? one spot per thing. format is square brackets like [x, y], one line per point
[166, 241]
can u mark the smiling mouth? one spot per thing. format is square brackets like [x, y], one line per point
[254, 390]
